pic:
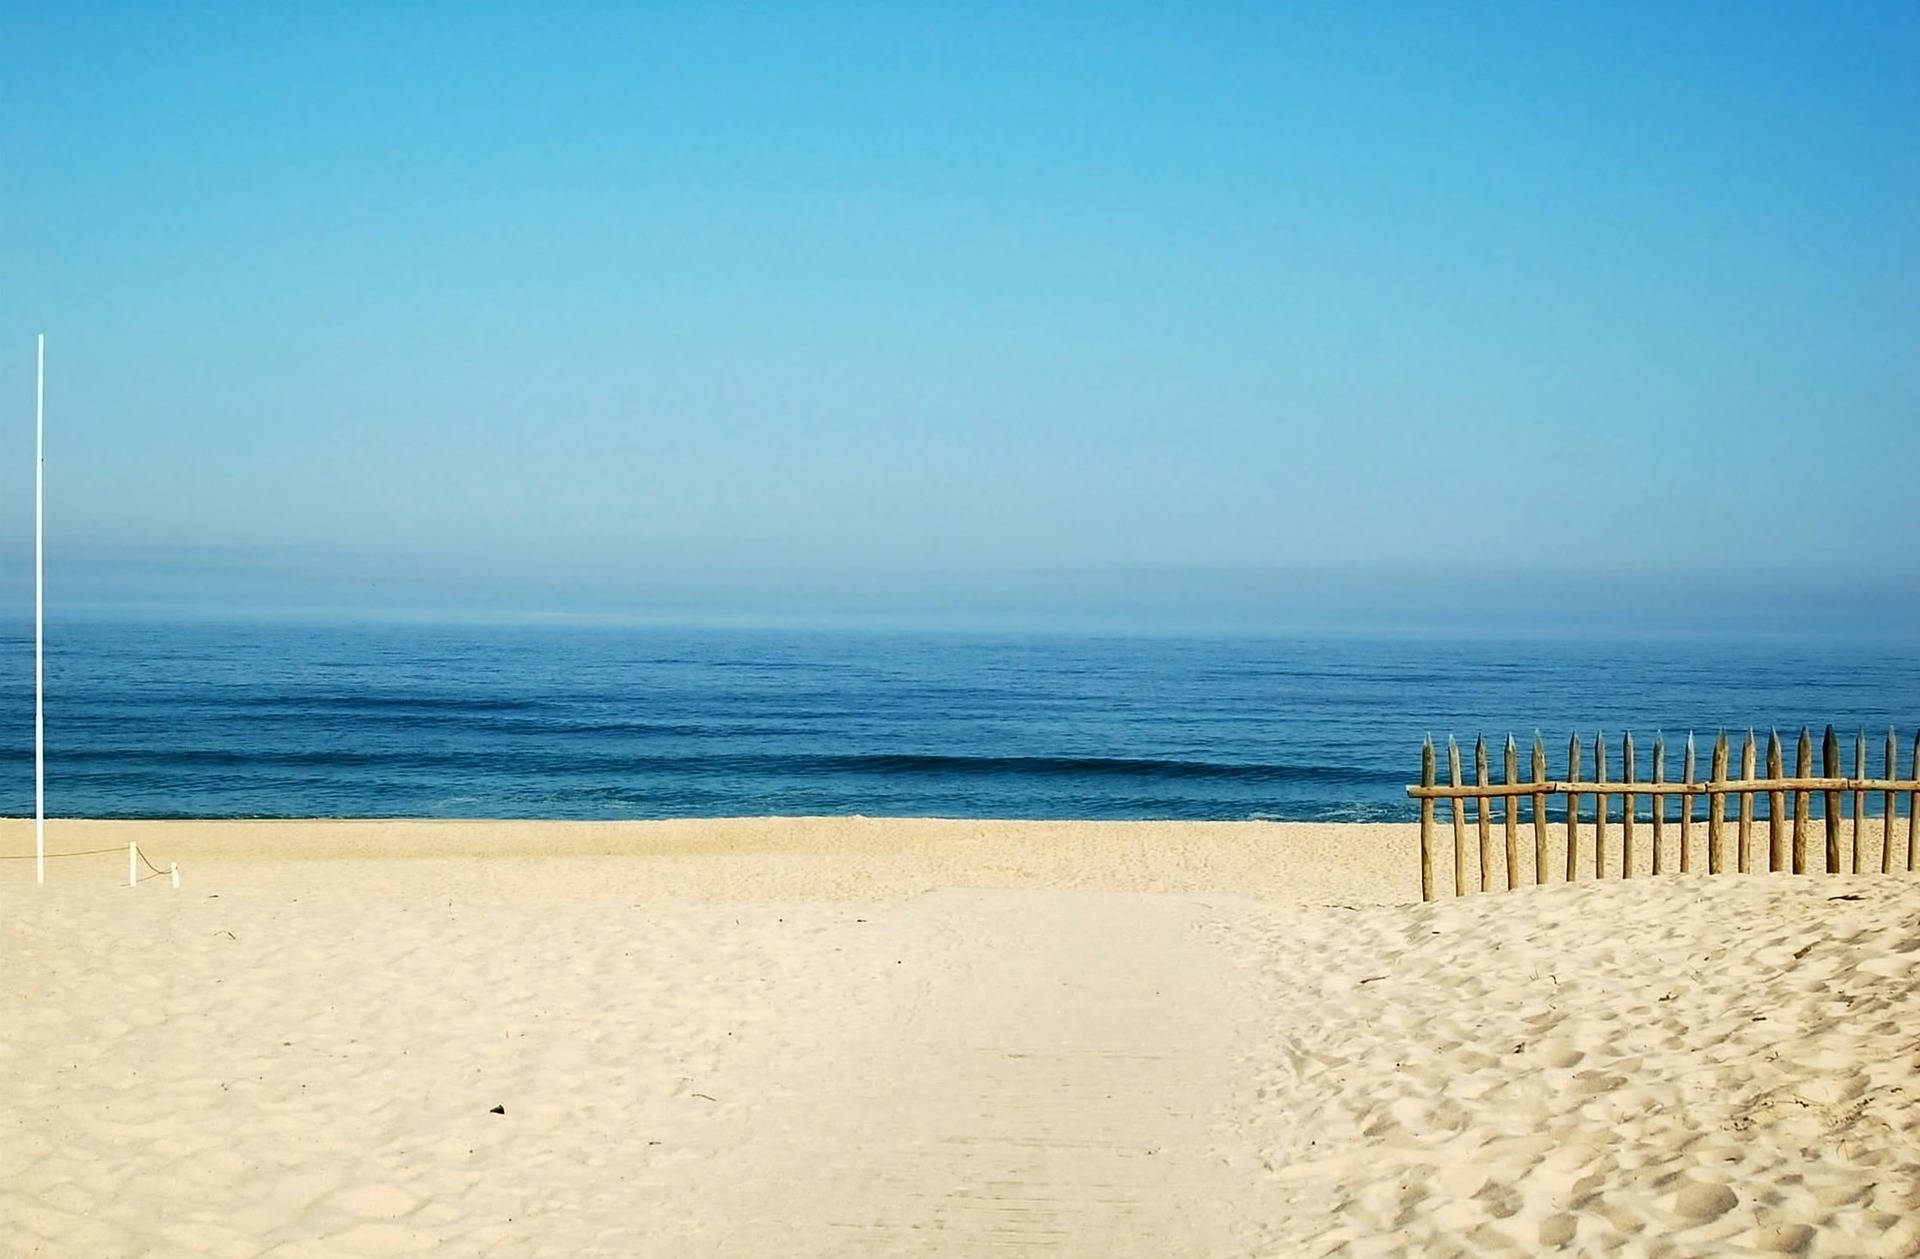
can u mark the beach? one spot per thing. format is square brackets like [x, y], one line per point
[839, 1036]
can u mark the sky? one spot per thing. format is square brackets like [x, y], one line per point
[1214, 311]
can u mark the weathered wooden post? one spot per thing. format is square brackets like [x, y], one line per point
[1802, 768]
[1717, 804]
[1889, 804]
[1540, 810]
[1481, 807]
[1776, 808]
[1830, 764]
[1426, 821]
[1573, 805]
[1459, 821]
[1600, 806]
[1913, 804]
[1859, 796]
[1626, 808]
[1511, 815]
[1686, 808]
[1746, 806]
[1659, 799]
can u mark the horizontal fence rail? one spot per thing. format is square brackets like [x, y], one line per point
[1705, 787]
[1789, 802]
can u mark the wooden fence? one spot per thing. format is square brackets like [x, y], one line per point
[1516, 796]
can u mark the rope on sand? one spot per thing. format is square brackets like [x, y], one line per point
[133, 850]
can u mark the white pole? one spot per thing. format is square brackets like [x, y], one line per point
[39, 612]
[173, 868]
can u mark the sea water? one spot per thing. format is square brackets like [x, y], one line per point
[179, 718]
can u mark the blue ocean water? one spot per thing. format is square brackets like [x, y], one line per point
[174, 718]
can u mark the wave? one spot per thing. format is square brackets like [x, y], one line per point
[580, 761]
[297, 703]
[1094, 766]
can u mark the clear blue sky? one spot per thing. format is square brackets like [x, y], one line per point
[615, 305]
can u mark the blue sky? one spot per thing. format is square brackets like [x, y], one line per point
[639, 307]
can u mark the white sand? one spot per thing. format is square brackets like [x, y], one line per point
[879, 1037]
[1704, 1065]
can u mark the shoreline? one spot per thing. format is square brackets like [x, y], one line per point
[791, 858]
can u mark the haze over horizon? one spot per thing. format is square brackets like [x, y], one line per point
[1128, 316]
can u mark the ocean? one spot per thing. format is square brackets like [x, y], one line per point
[177, 718]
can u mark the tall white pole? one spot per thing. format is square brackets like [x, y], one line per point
[39, 612]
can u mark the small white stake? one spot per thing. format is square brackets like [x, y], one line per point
[173, 868]
[133, 857]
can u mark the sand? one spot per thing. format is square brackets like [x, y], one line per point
[862, 1036]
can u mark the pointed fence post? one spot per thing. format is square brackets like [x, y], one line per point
[1481, 806]
[1889, 804]
[1459, 821]
[1830, 763]
[1659, 799]
[1859, 796]
[1627, 807]
[1426, 821]
[1802, 800]
[1540, 811]
[1686, 809]
[1717, 804]
[1913, 804]
[1573, 807]
[1511, 816]
[1746, 805]
[1600, 806]
[1776, 809]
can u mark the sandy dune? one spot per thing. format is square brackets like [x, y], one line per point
[878, 1037]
